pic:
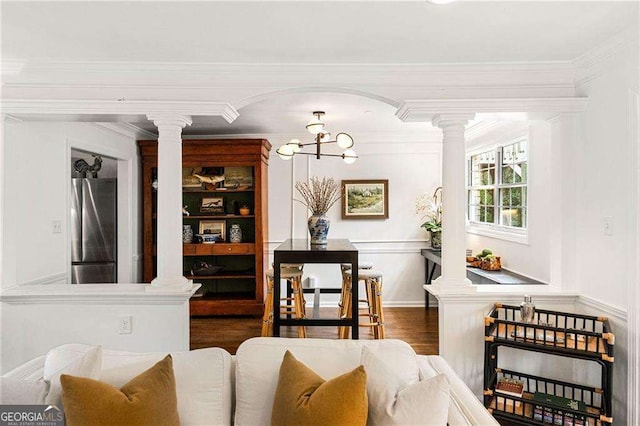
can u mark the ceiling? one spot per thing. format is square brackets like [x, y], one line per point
[308, 32]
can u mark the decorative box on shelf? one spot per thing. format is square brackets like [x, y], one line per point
[545, 400]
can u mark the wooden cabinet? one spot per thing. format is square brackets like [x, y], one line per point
[544, 400]
[236, 284]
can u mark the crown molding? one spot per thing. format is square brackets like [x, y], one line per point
[551, 78]
[480, 129]
[594, 62]
[501, 133]
[10, 118]
[120, 107]
[11, 67]
[425, 110]
[128, 130]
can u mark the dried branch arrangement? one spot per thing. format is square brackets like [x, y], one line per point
[319, 194]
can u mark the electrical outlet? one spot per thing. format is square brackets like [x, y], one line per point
[124, 324]
[607, 225]
[56, 226]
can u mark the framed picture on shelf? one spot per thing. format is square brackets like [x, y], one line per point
[189, 180]
[238, 177]
[213, 229]
[212, 205]
[365, 199]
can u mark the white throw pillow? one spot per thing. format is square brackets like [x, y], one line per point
[74, 359]
[395, 402]
[22, 392]
[204, 381]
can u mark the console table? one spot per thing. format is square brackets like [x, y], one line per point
[301, 251]
[433, 259]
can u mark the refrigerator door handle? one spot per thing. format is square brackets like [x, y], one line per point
[76, 220]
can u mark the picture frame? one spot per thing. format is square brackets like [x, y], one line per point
[365, 199]
[238, 177]
[212, 205]
[188, 180]
[215, 228]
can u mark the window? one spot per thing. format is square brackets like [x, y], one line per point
[497, 186]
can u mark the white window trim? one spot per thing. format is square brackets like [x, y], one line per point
[492, 230]
[507, 233]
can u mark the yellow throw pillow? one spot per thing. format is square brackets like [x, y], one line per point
[148, 399]
[304, 398]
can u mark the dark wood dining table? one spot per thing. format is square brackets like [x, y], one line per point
[336, 251]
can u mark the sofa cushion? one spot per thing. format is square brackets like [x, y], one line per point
[75, 359]
[258, 364]
[304, 398]
[147, 399]
[393, 402]
[464, 407]
[18, 391]
[204, 381]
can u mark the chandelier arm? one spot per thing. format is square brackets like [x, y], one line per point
[322, 155]
[316, 143]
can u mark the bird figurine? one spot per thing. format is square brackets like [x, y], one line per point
[185, 211]
[209, 179]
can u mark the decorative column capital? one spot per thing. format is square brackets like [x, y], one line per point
[448, 120]
[170, 120]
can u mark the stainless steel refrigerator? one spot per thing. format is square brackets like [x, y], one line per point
[93, 231]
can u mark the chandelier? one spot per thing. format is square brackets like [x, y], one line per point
[316, 127]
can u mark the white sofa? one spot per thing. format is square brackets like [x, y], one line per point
[216, 388]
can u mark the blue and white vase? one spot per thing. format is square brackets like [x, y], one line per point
[319, 229]
[235, 234]
[187, 234]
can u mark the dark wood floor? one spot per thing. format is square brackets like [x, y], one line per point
[416, 326]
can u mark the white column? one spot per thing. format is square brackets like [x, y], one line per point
[169, 212]
[562, 230]
[2, 171]
[454, 235]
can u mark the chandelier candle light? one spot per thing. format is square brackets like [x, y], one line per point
[316, 127]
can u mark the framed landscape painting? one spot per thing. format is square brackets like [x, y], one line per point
[365, 199]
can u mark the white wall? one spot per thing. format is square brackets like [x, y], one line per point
[36, 318]
[36, 189]
[606, 189]
[393, 245]
[530, 258]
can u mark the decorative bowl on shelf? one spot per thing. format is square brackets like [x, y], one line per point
[201, 267]
[491, 263]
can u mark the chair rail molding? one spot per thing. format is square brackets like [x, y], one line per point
[95, 294]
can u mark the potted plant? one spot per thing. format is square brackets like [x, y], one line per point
[319, 195]
[429, 207]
